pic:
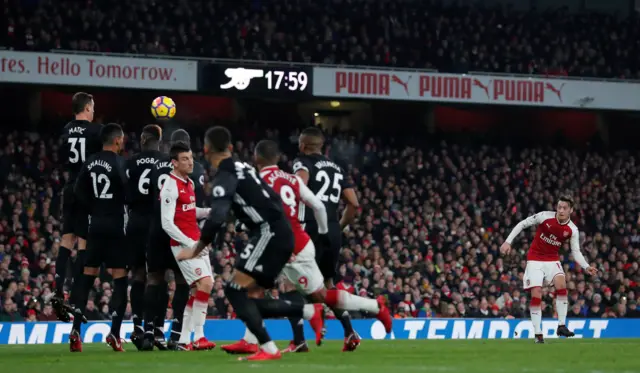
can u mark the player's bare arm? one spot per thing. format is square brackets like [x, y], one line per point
[349, 214]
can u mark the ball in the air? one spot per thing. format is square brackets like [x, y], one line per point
[163, 107]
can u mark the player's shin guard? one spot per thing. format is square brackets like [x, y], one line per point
[85, 282]
[185, 332]
[341, 299]
[297, 325]
[536, 314]
[178, 304]
[78, 268]
[199, 314]
[118, 304]
[61, 269]
[562, 305]
[247, 311]
[137, 303]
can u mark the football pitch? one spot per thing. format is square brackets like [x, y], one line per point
[495, 356]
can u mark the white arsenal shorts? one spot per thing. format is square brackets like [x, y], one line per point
[193, 269]
[539, 273]
[303, 272]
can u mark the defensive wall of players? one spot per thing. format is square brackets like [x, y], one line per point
[300, 81]
[217, 330]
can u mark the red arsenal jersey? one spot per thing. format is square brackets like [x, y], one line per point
[178, 211]
[288, 187]
[550, 236]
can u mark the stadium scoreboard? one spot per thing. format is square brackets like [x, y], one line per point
[258, 80]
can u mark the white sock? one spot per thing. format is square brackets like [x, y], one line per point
[536, 318]
[270, 347]
[562, 305]
[199, 317]
[308, 311]
[350, 302]
[185, 332]
[249, 337]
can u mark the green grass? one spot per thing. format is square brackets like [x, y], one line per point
[392, 356]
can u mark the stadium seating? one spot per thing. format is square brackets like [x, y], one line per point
[408, 33]
[426, 237]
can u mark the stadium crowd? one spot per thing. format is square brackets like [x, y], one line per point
[427, 234]
[406, 33]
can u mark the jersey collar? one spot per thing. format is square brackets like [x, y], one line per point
[178, 177]
[565, 223]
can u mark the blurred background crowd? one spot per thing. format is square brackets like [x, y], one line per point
[433, 34]
[432, 216]
[427, 235]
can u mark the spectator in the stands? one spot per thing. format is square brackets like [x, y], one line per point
[10, 312]
[414, 34]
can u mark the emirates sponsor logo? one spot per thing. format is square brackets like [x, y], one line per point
[552, 240]
[189, 207]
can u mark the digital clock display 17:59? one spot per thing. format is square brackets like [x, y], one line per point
[285, 82]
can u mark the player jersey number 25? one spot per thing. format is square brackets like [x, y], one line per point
[329, 189]
[77, 149]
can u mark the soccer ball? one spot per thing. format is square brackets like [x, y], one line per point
[163, 108]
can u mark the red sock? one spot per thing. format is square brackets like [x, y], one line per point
[202, 296]
[535, 302]
[331, 299]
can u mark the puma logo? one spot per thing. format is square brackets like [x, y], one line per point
[396, 79]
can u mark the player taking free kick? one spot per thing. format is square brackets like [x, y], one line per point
[543, 261]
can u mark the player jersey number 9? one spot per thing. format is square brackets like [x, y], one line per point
[324, 193]
[288, 197]
[161, 180]
[77, 148]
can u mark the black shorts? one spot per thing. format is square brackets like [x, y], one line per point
[268, 251]
[137, 238]
[158, 251]
[107, 249]
[326, 257]
[74, 219]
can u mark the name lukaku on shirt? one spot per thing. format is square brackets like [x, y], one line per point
[160, 165]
